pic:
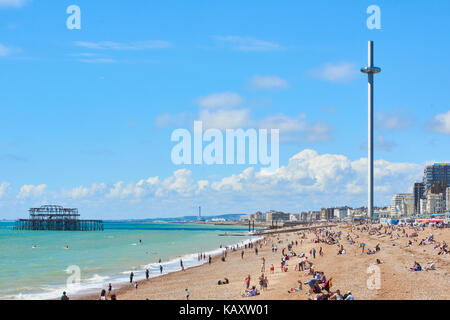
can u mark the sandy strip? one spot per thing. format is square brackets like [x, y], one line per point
[349, 271]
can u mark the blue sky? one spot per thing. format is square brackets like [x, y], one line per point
[86, 115]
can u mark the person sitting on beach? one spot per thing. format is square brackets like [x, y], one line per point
[378, 261]
[348, 296]
[113, 296]
[327, 285]
[300, 287]
[417, 267]
[251, 293]
[64, 296]
[313, 286]
[431, 266]
[224, 281]
[337, 295]
[103, 295]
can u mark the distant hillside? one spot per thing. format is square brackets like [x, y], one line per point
[228, 217]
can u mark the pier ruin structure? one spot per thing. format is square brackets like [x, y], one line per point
[57, 218]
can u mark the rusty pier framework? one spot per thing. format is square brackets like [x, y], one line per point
[56, 218]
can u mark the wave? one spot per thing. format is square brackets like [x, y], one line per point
[98, 282]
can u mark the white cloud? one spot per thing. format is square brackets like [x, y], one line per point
[12, 3]
[440, 123]
[225, 119]
[246, 43]
[308, 181]
[268, 82]
[337, 73]
[397, 119]
[297, 129]
[220, 100]
[27, 191]
[4, 187]
[111, 45]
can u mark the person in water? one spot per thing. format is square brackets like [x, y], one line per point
[131, 277]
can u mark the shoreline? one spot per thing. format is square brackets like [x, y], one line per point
[123, 286]
[349, 271]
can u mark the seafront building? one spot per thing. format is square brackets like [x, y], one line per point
[402, 204]
[435, 203]
[447, 199]
[436, 173]
[275, 216]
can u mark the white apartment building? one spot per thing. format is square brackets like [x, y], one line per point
[435, 203]
[402, 204]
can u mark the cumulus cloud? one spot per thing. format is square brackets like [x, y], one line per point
[28, 191]
[246, 43]
[440, 123]
[337, 73]
[308, 180]
[268, 82]
[220, 100]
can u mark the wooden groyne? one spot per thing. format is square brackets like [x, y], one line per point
[293, 229]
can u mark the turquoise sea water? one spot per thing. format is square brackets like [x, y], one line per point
[102, 257]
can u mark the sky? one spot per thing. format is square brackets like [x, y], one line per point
[86, 115]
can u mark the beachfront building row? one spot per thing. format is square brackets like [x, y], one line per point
[436, 181]
[429, 196]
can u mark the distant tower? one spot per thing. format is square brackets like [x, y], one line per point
[370, 70]
[199, 213]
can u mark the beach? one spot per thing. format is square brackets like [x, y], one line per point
[349, 271]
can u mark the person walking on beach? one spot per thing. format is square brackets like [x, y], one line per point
[187, 294]
[242, 254]
[314, 252]
[64, 296]
[147, 274]
[109, 288]
[209, 260]
[103, 295]
[160, 269]
[181, 264]
[131, 277]
[136, 287]
[263, 265]
[321, 252]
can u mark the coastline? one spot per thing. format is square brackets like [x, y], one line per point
[349, 272]
[123, 286]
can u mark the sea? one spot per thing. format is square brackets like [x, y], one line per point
[37, 265]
